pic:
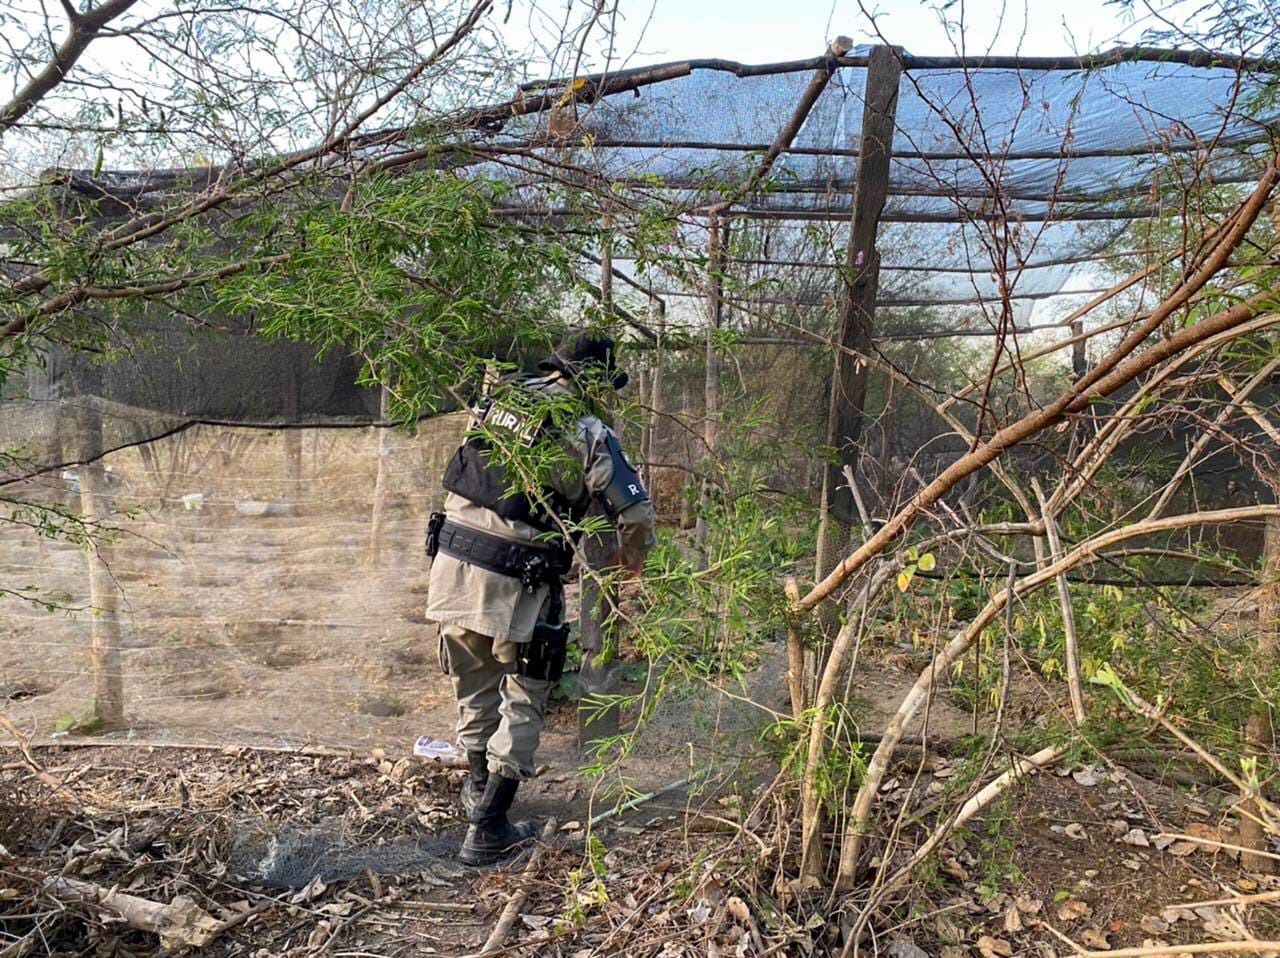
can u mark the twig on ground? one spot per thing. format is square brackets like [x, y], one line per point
[1179, 836]
[1041, 923]
[24, 746]
[1020, 768]
[511, 912]
[1235, 900]
[1206, 948]
[180, 924]
[638, 801]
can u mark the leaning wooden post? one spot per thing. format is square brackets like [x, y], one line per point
[1259, 737]
[599, 672]
[104, 595]
[856, 324]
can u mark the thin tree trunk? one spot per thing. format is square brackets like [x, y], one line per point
[1071, 654]
[686, 500]
[380, 481]
[795, 654]
[1259, 729]
[859, 819]
[104, 595]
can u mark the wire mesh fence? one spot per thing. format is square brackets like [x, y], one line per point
[255, 585]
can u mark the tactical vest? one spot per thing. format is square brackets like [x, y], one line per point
[479, 473]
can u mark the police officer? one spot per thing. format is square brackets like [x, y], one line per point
[499, 553]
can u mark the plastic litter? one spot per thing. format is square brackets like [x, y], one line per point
[436, 750]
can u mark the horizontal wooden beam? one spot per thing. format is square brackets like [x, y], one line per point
[1143, 148]
[1204, 59]
[829, 300]
[976, 270]
[836, 214]
[837, 186]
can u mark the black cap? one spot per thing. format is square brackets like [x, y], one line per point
[583, 348]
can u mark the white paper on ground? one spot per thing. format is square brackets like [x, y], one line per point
[434, 748]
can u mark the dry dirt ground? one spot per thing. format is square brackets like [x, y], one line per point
[294, 629]
[683, 875]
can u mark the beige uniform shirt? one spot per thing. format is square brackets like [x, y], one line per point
[497, 605]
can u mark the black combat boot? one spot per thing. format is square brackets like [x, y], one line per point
[491, 836]
[473, 785]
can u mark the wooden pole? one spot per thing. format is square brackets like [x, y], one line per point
[1079, 358]
[858, 304]
[658, 316]
[855, 326]
[104, 596]
[1260, 729]
[599, 672]
[715, 317]
[642, 387]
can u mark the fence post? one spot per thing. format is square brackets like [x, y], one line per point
[598, 674]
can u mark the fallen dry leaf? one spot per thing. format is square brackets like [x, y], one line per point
[989, 947]
[955, 870]
[1076, 830]
[1028, 905]
[905, 948]
[1201, 830]
[1074, 909]
[804, 884]
[1012, 920]
[1136, 836]
[1153, 925]
[1085, 777]
[1095, 939]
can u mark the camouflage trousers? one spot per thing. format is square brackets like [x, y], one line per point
[499, 713]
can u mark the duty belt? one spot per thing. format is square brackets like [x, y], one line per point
[533, 566]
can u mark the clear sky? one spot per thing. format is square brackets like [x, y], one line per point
[756, 31]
